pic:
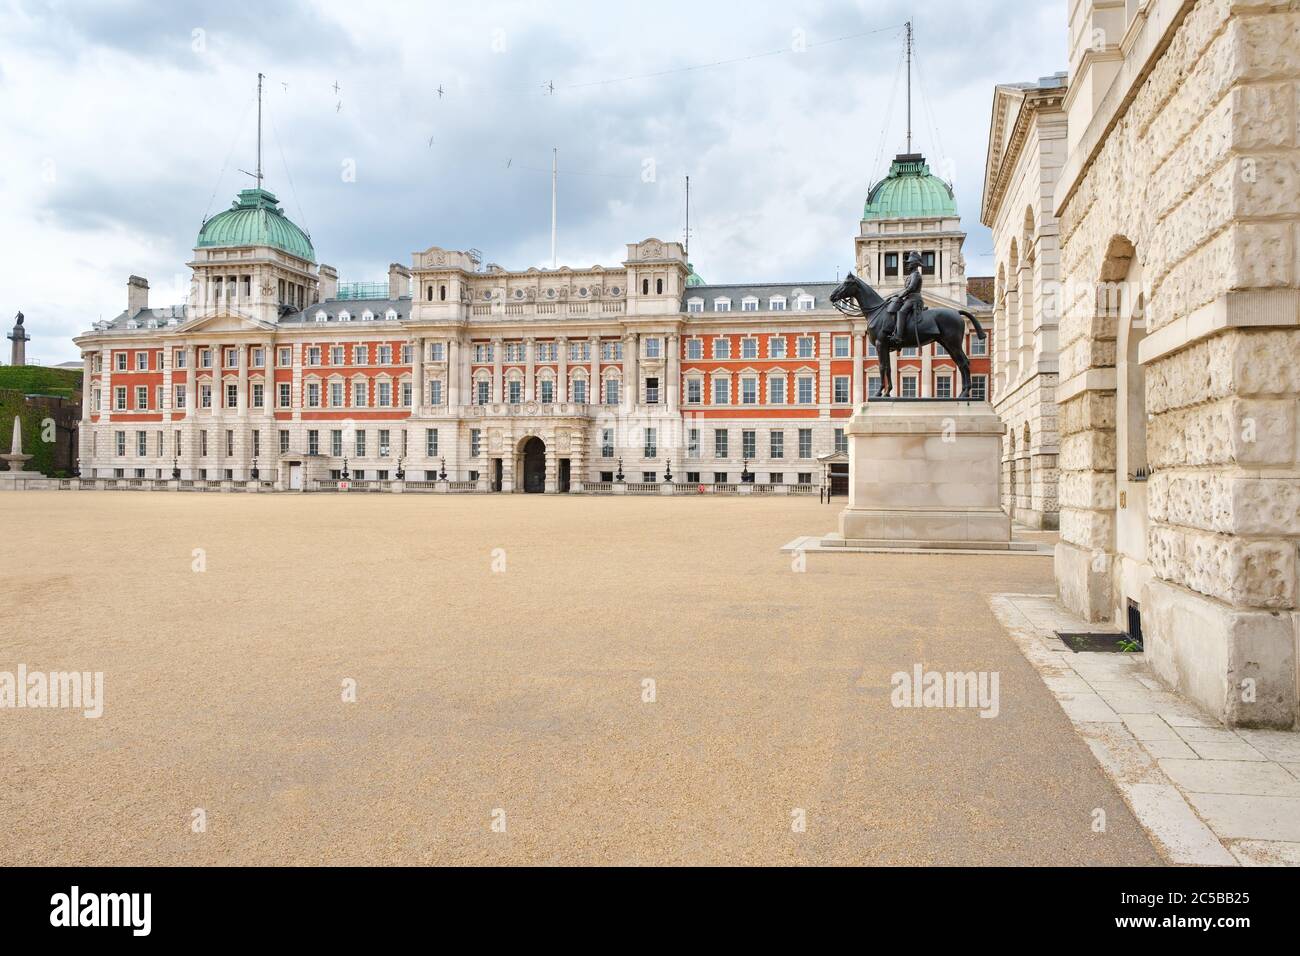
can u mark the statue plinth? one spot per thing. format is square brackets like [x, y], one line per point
[15, 459]
[924, 474]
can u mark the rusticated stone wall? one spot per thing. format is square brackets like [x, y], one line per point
[1196, 187]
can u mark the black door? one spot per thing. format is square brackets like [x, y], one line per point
[496, 474]
[840, 480]
[563, 477]
[534, 465]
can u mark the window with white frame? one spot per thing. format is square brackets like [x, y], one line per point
[611, 351]
[482, 391]
[805, 347]
[805, 443]
[694, 391]
[141, 396]
[232, 395]
[841, 441]
[749, 348]
[205, 395]
[749, 390]
[693, 443]
[336, 442]
[776, 346]
[359, 443]
[119, 440]
[336, 394]
[384, 394]
[653, 347]
[313, 355]
[979, 388]
[749, 304]
[435, 392]
[978, 346]
[694, 305]
[205, 358]
[722, 348]
[179, 401]
[284, 356]
[721, 305]
[336, 355]
[385, 355]
[313, 394]
[694, 349]
[142, 361]
[178, 358]
[943, 386]
[259, 395]
[119, 398]
[514, 351]
[580, 351]
[437, 353]
[805, 393]
[580, 391]
[611, 391]
[142, 444]
[776, 444]
[119, 360]
[361, 394]
[776, 303]
[722, 390]
[514, 391]
[873, 386]
[840, 346]
[720, 443]
[909, 386]
[431, 442]
[548, 391]
[840, 389]
[776, 390]
[805, 303]
[607, 443]
[651, 448]
[749, 443]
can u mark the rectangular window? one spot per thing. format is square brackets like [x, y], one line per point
[749, 391]
[721, 391]
[776, 478]
[693, 443]
[722, 348]
[385, 394]
[580, 351]
[909, 386]
[431, 442]
[232, 395]
[336, 355]
[719, 477]
[694, 349]
[285, 391]
[285, 356]
[313, 442]
[336, 394]
[694, 391]
[979, 388]
[435, 392]
[205, 358]
[776, 347]
[360, 355]
[178, 358]
[385, 443]
[776, 390]
[653, 347]
[284, 441]
[359, 445]
[805, 390]
[313, 394]
[360, 395]
[142, 361]
[978, 346]
[749, 305]
[142, 444]
[336, 442]
[651, 443]
[119, 441]
[483, 392]
[141, 396]
[406, 354]
[548, 391]
[475, 442]
[943, 386]
[873, 386]
[652, 391]
[841, 389]
[720, 443]
[119, 361]
[805, 443]
[749, 348]
[805, 346]
[406, 394]
[259, 358]
[257, 442]
[841, 441]
[258, 395]
[927, 263]
[313, 355]
[180, 396]
[230, 443]
[611, 391]
[749, 443]
[437, 351]
[385, 355]
[891, 263]
[231, 357]
[514, 391]
[607, 443]
[205, 395]
[841, 346]
[777, 445]
[119, 398]
[580, 391]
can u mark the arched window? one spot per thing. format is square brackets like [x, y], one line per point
[442, 293]
[659, 286]
[645, 286]
[428, 294]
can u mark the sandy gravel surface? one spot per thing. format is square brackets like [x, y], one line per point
[519, 691]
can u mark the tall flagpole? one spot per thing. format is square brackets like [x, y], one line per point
[909, 86]
[259, 131]
[555, 169]
[688, 220]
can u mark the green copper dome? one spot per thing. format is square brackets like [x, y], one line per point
[256, 219]
[693, 279]
[910, 191]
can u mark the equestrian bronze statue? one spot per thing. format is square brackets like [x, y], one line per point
[902, 321]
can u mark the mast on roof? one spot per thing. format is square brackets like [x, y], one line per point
[257, 176]
[909, 86]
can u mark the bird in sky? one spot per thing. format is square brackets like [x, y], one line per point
[550, 88]
[439, 91]
[338, 106]
[336, 86]
[431, 141]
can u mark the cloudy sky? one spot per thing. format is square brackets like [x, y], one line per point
[122, 124]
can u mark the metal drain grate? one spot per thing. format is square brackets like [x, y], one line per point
[1098, 642]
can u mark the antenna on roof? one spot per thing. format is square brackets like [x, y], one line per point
[258, 175]
[555, 170]
[688, 221]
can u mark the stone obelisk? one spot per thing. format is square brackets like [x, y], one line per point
[15, 458]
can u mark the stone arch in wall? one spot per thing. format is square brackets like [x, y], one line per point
[1131, 570]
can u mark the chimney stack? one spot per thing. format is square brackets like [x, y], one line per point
[329, 283]
[137, 295]
[399, 281]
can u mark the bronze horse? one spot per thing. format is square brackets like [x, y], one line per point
[944, 326]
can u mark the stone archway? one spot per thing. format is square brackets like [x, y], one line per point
[532, 460]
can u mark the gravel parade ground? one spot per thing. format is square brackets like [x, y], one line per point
[503, 649]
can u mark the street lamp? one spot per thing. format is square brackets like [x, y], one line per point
[619, 477]
[76, 469]
[442, 472]
[401, 475]
[745, 476]
[176, 469]
[344, 473]
[668, 470]
[254, 473]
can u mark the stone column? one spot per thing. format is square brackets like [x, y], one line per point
[594, 385]
[631, 372]
[562, 354]
[530, 386]
[241, 363]
[926, 389]
[453, 372]
[673, 371]
[858, 377]
[497, 394]
[417, 376]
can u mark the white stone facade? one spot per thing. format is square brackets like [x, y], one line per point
[1027, 140]
[1179, 208]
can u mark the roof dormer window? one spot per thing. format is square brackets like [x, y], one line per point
[776, 303]
[321, 316]
[721, 305]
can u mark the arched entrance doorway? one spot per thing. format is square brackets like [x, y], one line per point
[533, 458]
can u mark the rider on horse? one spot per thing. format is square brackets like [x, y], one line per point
[908, 302]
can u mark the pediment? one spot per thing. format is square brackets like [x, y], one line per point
[227, 322]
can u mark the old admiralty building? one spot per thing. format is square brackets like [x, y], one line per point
[557, 380]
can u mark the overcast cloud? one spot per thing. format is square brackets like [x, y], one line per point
[116, 121]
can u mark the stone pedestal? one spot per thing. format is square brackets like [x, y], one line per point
[924, 474]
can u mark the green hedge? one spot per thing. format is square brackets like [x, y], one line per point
[14, 403]
[38, 379]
